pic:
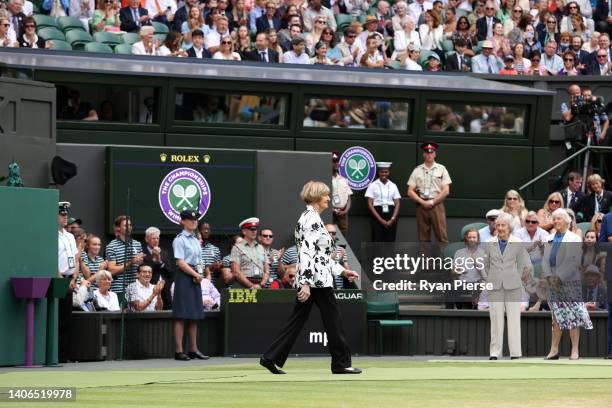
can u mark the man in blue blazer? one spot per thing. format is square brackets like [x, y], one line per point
[605, 238]
[263, 23]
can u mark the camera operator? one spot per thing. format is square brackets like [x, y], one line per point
[600, 116]
[567, 113]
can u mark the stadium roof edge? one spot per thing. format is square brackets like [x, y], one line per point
[252, 71]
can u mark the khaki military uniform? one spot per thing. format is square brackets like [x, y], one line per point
[251, 259]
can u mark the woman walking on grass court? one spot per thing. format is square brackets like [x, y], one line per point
[315, 280]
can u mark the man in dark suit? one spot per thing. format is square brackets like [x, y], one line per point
[599, 200]
[594, 290]
[582, 56]
[133, 17]
[572, 193]
[197, 50]
[262, 52]
[601, 65]
[263, 23]
[484, 25]
[459, 61]
[160, 262]
[16, 16]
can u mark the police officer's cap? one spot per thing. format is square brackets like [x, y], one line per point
[429, 147]
[249, 223]
[63, 207]
[190, 215]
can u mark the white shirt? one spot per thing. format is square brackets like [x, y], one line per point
[163, 4]
[199, 52]
[139, 49]
[340, 191]
[109, 302]
[136, 291]
[383, 194]
[534, 251]
[415, 10]
[220, 56]
[412, 65]
[213, 38]
[67, 251]
[485, 235]
[290, 58]
[553, 64]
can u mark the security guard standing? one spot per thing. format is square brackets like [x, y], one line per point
[383, 204]
[68, 258]
[428, 186]
[250, 266]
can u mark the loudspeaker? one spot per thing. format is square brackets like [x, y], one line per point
[62, 170]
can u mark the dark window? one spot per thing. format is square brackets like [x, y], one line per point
[475, 118]
[355, 113]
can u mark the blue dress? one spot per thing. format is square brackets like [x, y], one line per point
[187, 301]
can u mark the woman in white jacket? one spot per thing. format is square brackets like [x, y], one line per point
[402, 38]
[431, 32]
[561, 271]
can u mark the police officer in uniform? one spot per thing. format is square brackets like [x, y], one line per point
[428, 186]
[250, 266]
[384, 205]
[68, 257]
[187, 301]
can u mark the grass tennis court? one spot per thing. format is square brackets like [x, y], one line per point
[386, 382]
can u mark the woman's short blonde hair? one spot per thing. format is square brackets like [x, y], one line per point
[564, 215]
[103, 274]
[313, 191]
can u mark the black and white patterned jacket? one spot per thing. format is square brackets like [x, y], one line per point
[315, 246]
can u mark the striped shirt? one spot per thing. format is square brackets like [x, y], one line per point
[210, 255]
[272, 255]
[339, 280]
[116, 251]
[93, 265]
[290, 257]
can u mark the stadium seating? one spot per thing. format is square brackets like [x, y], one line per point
[450, 249]
[130, 38]
[107, 38]
[123, 49]
[43, 21]
[77, 39]
[584, 227]
[51, 33]
[68, 23]
[343, 21]
[394, 64]
[476, 225]
[160, 37]
[384, 304]
[447, 45]
[61, 45]
[98, 47]
[160, 28]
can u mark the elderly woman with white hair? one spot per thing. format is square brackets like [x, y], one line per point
[405, 36]
[103, 297]
[561, 273]
[401, 15]
[147, 45]
[507, 266]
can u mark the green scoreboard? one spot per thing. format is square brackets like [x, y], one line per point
[153, 185]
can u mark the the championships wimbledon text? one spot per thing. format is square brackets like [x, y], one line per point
[404, 263]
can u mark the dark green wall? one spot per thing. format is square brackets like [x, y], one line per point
[28, 247]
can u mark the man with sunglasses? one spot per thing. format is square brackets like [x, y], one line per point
[602, 65]
[349, 47]
[274, 256]
[250, 266]
[484, 25]
[488, 232]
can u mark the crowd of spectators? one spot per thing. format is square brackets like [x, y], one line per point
[507, 37]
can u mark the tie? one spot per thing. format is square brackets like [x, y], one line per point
[490, 67]
[16, 25]
[570, 201]
[599, 203]
[460, 62]
[489, 27]
[262, 56]
[135, 15]
[158, 7]
[592, 295]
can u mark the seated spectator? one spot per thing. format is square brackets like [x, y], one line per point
[257, 11]
[104, 299]
[266, 238]
[320, 57]
[239, 15]
[214, 36]
[591, 253]
[195, 21]
[160, 261]
[603, 45]
[418, 7]
[582, 57]
[531, 42]
[486, 62]
[433, 63]
[349, 48]
[262, 52]
[450, 23]
[569, 64]
[29, 39]
[197, 49]
[7, 36]
[534, 236]
[84, 10]
[476, 13]
[226, 269]
[550, 60]
[459, 61]
[569, 23]
[384, 16]
[488, 232]
[133, 17]
[370, 28]
[431, 32]
[515, 206]
[373, 57]
[270, 19]
[287, 281]
[211, 299]
[596, 224]
[142, 296]
[405, 36]
[73, 224]
[501, 45]
[594, 291]
[339, 255]
[183, 14]
[517, 34]
[602, 66]
[484, 25]
[515, 19]
[172, 46]
[106, 17]
[565, 42]
[553, 202]
[297, 54]
[521, 64]
[147, 45]
[161, 10]
[592, 44]
[313, 12]
[599, 200]
[411, 62]
[328, 37]
[274, 43]
[401, 17]
[284, 34]
[226, 51]
[77, 110]
[211, 255]
[573, 227]
[290, 257]
[242, 42]
[319, 25]
[91, 261]
[466, 33]
[548, 32]
[508, 68]
[536, 68]
[465, 270]
[56, 8]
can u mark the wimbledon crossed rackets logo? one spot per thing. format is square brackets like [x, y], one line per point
[357, 165]
[183, 189]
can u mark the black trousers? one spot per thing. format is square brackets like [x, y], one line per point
[64, 326]
[381, 233]
[330, 314]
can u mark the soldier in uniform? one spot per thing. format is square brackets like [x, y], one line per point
[250, 266]
[428, 186]
[384, 205]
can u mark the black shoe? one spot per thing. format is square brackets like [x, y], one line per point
[492, 358]
[269, 364]
[555, 357]
[197, 355]
[514, 358]
[348, 370]
[181, 356]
